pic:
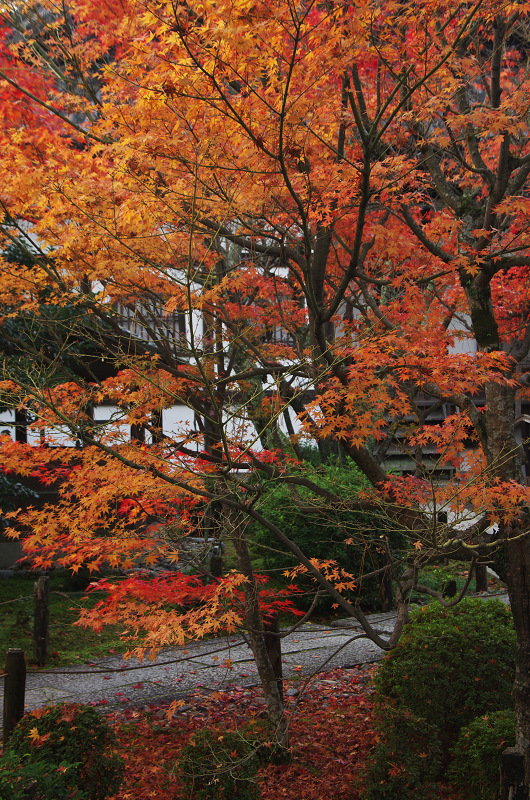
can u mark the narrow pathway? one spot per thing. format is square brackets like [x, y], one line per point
[211, 665]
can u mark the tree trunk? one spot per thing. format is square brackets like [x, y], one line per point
[41, 618]
[268, 677]
[505, 462]
[518, 553]
[273, 643]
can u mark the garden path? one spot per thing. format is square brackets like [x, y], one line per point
[212, 665]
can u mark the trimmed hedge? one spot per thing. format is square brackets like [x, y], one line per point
[450, 666]
[406, 761]
[476, 757]
[77, 744]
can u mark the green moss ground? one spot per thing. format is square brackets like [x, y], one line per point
[69, 644]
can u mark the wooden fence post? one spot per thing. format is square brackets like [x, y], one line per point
[273, 643]
[14, 690]
[512, 775]
[481, 578]
[41, 619]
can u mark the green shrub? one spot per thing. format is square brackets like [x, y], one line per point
[450, 666]
[476, 757]
[75, 742]
[219, 765]
[37, 780]
[406, 760]
[320, 531]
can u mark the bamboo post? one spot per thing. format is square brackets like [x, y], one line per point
[271, 634]
[41, 619]
[14, 690]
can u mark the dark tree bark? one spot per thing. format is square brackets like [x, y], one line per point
[41, 618]
[504, 461]
[266, 671]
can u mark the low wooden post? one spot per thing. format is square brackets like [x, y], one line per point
[273, 643]
[512, 775]
[481, 578]
[41, 619]
[14, 690]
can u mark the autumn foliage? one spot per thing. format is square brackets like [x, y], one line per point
[298, 222]
[341, 700]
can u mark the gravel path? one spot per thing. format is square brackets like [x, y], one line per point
[211, 665]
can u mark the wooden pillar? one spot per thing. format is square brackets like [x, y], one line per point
[41, 619]
[14, 690]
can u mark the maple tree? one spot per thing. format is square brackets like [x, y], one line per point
[266, 209]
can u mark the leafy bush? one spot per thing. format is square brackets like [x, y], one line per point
[406, 760]
[36, 780]
[75, 736]
[219, 765]
[320, 531]
[476, 757]
[450, 666]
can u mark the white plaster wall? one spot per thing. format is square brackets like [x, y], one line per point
[178, 422]
[241, 429]
[7, 424]
[195, 334]
[465, 345]
[54, 437]
[116, 430]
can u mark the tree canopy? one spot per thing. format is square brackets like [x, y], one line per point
[311, 222]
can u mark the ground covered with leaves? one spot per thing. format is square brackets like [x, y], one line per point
[331, 730]
[164, 751]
